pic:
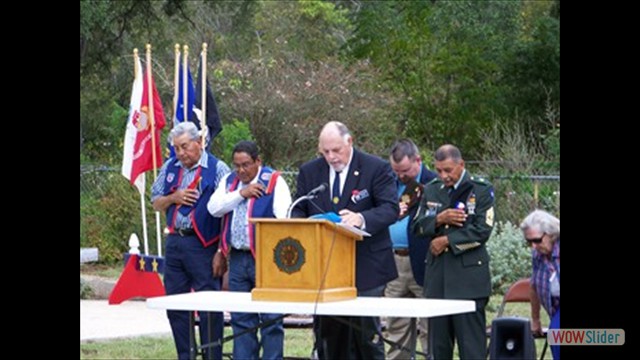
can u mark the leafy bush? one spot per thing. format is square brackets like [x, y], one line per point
[510, 256]
[110, 212]
[85, 290]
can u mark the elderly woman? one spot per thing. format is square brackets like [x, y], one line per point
[542, 231]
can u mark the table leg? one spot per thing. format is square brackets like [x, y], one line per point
[413, 330]
[192, 336]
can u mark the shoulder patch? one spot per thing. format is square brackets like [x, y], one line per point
[265, 176]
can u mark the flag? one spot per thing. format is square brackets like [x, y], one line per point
[214, 126]
[137, 156]
[178, 116]
[193, 103]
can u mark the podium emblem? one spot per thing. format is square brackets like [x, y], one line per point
[289, 255]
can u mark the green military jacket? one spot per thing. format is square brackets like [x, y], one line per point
[462, 271]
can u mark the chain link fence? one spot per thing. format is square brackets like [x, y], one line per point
[515, 195]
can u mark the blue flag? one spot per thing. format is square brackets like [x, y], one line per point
[193, 104]
[180, 105]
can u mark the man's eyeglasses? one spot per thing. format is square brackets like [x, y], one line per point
[244, 166]
[536, 240]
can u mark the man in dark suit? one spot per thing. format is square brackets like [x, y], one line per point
[456, 211]
[363, 192]
[409, 250]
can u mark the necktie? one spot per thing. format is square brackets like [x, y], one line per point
[239, 226]
[335, 192]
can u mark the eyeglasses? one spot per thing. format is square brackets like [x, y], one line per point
[244, 166]
[536, 240]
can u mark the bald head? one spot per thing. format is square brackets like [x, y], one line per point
[335, 144]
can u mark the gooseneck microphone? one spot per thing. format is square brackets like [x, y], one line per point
[310, 195]
[322, 187]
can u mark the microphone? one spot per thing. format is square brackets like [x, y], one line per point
[322, 187]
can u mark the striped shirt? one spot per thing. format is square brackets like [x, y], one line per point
[188, 175]
[544, 268]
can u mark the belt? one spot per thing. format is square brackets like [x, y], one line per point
[240, 250]
[184, 232]
[401, 252]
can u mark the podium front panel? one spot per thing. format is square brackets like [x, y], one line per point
[293, 256]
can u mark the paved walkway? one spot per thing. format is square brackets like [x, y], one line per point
[99, 320]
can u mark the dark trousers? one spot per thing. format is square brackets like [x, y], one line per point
[188, 265]
[469, 329]
[242, 277]
[357, 339]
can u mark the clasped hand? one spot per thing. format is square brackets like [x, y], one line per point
[454, 217]
[187, 196]
[252, 190]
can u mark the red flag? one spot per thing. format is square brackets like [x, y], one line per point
[138, 158]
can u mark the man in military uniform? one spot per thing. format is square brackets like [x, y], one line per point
[456, 211]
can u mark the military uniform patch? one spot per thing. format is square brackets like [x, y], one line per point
[489, 216]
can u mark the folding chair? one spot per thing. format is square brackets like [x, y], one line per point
[519, 292]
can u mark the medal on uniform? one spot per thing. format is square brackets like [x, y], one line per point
[471, 204]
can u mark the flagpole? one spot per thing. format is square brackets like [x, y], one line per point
[204, 94]
[176, 80]
[151, 117]
[151, 114]
[185, 94]
[143, 209]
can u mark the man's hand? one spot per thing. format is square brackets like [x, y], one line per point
[252, 190]
[439, 244]
[186, 196]
[454, 217]
[403, 208]
[219, 264]
[351, 218]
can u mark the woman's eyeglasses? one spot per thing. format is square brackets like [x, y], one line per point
[536, 240]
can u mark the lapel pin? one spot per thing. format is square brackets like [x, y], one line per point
[356, 173]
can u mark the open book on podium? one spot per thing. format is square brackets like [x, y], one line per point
[305, 260]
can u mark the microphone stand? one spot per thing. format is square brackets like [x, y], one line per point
[293, 204]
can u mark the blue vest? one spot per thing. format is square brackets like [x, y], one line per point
[257, 207]
[206, 226]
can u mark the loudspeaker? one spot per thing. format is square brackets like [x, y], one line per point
[511, 338]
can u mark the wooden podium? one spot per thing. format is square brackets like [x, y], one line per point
[293, 255]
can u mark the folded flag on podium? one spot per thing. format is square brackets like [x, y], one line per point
[138, 279]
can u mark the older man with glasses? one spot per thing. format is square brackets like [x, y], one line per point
[542, 231]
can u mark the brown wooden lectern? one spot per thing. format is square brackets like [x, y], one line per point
[292, 256]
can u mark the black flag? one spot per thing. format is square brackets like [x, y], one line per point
[214, 124]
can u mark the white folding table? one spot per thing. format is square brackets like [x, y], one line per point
[361, 306]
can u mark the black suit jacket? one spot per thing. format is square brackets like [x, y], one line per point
[374, 256]
[419, 244]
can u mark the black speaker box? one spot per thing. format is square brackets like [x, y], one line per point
[511, 338]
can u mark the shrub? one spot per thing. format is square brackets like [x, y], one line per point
[510, 256]
[85, 290]
[110, 212]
